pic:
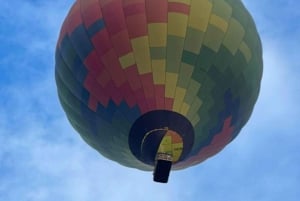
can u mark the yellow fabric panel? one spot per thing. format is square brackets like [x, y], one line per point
[218, 22]
[177, 24]
[199, 14]
[181, 1]
[127, 60]
[159, 71]
[184, 108]
[142, 54]
[234, 36]
[171, 81]
[179, 96]
[157, 34]
[176, 151]
[246, 51]
[166, 140]
[165, 145]
[165, 148]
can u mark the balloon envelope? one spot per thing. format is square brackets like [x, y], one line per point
[138, 77]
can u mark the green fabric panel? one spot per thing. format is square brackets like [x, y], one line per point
[72, 107]
[193, 108]
[68, 52]
[208, 102]
[206, 88]
[251, 39]
[67, 77]
[238, 64]
[253, 69]
[158, 52]
[174, 53]
[239, 14]
[234, 36]
[207, 121]
[114, 147]
[219, 77]
[68, 96]
[193, 40]
[208, 66]
[222, 9]
[74, 115]
[185, 74]
[204, 60]
[119, 143]
[199, 75]
[213, 38]
[192, 91]
[222, 58]
[189, 57]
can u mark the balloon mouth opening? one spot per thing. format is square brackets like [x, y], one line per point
[161, 132]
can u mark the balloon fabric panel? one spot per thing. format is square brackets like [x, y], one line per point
[117, 60]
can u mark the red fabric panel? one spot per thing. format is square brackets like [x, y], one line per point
[103, 78]
[74, 18]
[105, 2]
[169, 103]
[135, 18]
[110, 60]
[72, 21]
[128, 95]
[160, 96]
[93, 63]
[116, 94]
[101, 42]
[179, 8]
[137, 25]
[129, 2]
[134, 80]
[175, 137]
[62, 33]
[157, 11]
[139, 94]
[151, 103]
[91, 11]
[148, 86]
[93, 103]
[219, 141]
[133, 8]
[114, 17]
[133, 77]
[96, 92]
[121, 43]
[147, 83]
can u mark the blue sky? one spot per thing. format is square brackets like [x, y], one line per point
[43, 159]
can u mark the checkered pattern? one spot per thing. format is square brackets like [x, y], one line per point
[118, 59]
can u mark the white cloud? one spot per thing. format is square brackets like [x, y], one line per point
[42, 158]
[279, 97]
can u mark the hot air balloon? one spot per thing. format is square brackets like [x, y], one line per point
[158, 85]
